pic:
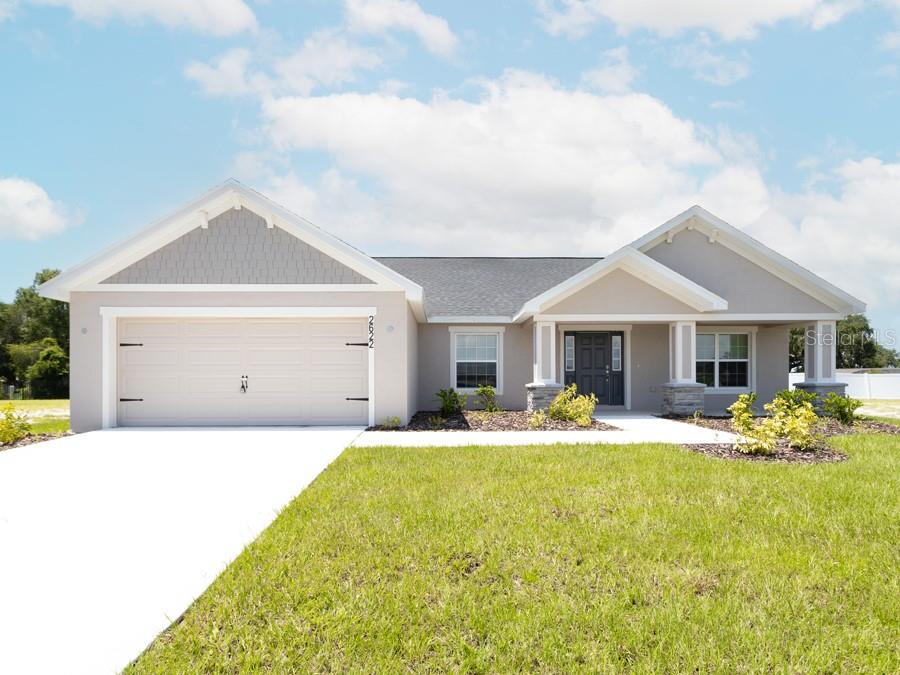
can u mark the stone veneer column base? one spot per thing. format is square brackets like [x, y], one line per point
[821, 390]
[682, 399]
[539, 395]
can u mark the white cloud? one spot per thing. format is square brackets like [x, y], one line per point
[27, 212]
[890, 41]
[615, 75]
[226, 76]
[7, 9]
[531, 167]
[709, 66]
[326, 59]
[381, 16]
[731, 20]
[216, 17]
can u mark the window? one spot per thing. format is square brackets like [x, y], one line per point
[476, 358]
[723, 360]
[617, 352]
[570, 353]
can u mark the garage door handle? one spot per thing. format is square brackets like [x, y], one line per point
[131, 344]
[350, 398]
[126, 400]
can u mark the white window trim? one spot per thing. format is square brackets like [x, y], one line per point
[474, 330]
[750, 331]
[109, 369]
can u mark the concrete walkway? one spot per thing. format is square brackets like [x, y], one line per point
[633, 428]
[107, 537]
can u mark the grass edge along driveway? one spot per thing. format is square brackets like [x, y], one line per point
[563, 558]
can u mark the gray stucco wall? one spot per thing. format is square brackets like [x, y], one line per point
[771, 369]
[434, 364]
[237, 248]
[747, 287]
[392, 381]
[620, 293]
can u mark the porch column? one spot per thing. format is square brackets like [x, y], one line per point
[820, 360]
[543, 388]
[682, 395]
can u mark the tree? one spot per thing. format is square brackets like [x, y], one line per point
[23, 356]
[856, 346]
[39, 317]
[49, 375]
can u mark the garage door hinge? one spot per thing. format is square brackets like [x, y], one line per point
[125, 400]
[351, 398]
[131, 344]
[356, 344]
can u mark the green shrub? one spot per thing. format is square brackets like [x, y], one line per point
[841, 408]
[390, 423]
[436, 421]
[742, 413]
[14, 426]
[791, 416]
[794, 418]
[570, 407]
[487, 398]
[452, 402]
[537, 419]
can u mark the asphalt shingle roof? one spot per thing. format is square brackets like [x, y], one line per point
[484, 286]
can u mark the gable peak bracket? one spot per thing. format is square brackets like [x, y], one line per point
[203, 217]
[236, 202]
[669, 236]
[713, 236]
[270, 221]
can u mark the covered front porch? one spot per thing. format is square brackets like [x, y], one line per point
[674, 367]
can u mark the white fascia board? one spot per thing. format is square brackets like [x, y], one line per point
[778, 318]
[470, 319]
[639, 265]
[215, 202]
[239, 312]
[743, 244]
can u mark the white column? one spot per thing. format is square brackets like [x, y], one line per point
[682, 352]
[544, 352]
[820, 351]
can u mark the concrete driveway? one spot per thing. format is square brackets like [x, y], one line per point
[107, 537]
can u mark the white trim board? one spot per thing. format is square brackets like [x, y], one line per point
[668, 318]
[499, 331]
[641, 266]
[230, 194]
[109, 339]
[719, 231]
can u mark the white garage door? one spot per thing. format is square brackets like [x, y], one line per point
[210, 372]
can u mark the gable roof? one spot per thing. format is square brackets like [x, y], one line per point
[230, 194]
[641, 266]
[723, 233]
[496, 288]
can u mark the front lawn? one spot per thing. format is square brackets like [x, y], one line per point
[560, 559]
[48, 417]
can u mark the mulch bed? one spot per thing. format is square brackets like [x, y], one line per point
[475, 420]
[33, 438]
[822, 453]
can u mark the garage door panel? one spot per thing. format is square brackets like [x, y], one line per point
[189, 372]
[145, 356]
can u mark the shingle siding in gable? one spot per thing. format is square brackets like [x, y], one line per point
[237, 248]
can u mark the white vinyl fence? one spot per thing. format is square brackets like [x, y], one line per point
[864, 385]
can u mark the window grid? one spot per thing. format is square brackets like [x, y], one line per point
[731, 371]
[476, 360]
[617, 352]
[570, 353]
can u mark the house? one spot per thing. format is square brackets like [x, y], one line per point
[235, 311]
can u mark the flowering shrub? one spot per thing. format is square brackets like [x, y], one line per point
[791, 416]
[13, 426]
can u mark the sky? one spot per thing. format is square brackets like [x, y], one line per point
[530, 127]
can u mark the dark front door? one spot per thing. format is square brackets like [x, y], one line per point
[599, 364]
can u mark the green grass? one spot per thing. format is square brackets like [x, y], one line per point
[31, 405]
[50, 425]
[555, 559]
